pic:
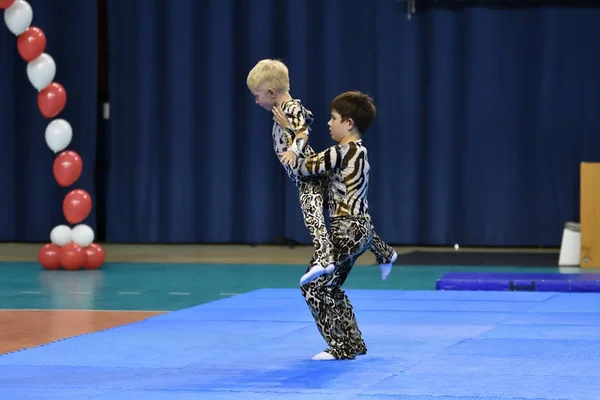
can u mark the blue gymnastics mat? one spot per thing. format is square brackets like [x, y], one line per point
[518, 281]
[422, 346]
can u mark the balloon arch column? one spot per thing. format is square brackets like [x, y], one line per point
[70, 248]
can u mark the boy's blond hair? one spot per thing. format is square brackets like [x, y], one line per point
[269, 74]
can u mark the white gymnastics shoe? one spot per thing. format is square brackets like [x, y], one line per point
[316, 271]
[324, 356]
[387, 267]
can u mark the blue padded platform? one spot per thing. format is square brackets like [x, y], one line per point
[432, 345]
[516, 281]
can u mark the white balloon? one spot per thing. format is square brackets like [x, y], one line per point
[18, 17]
[41, 71]
[83, 235]
[58, 135]
[61, 235]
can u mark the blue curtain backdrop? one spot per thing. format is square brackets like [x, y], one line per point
[483, 117]
[30, 198]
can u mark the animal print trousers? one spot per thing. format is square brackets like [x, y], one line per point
[327, 301]
[311, 204]
[312, 199]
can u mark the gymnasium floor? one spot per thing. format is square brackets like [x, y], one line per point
[218, 290]
[151, 280]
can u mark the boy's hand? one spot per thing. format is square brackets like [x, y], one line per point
[288, 158]
[279, 117]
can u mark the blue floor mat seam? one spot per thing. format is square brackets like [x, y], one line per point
[555, 295]
[86, 334]
[73, 337]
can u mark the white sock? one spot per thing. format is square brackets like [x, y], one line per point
[312, 274]
[387, 268]
[324, 356]
[330, 268]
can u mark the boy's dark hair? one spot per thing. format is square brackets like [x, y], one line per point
[355, 105]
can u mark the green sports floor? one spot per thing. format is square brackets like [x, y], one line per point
[168, 287]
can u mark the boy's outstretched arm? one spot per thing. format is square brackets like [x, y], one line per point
[321, 163]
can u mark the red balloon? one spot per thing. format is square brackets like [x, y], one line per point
[52, 100]
[4, 4]
[31, 43]
[48, 256]
[72, 257]
[67, 168]
[77, 205]
[95, 256]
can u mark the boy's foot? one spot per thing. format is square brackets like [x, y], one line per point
[387, 267]
[327, 356]
[329, 269]
[324, 356]
[316, 271]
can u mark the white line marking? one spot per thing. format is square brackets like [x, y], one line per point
[129, 292]
[32, 292]
[80, 292]
[179, 294]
